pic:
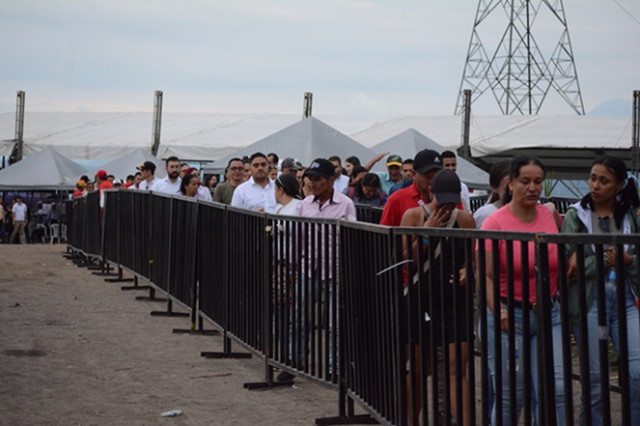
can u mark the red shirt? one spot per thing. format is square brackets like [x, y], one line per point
[398, 203]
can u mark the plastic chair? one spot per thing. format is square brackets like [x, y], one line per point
[54, 232]
[45, 231]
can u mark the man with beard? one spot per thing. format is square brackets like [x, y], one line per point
[170, 184]
[258, 193]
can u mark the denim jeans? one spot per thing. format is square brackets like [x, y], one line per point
[503, 364]
[633, 335]
[307, 318]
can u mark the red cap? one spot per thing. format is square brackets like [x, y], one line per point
[101, 174]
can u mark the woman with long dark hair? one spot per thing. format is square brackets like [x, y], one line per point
[522, 212]
[368, 191]
[610, 207]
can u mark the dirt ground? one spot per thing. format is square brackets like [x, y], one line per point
[76, 350]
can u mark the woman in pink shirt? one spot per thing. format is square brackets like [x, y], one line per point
[522, 212]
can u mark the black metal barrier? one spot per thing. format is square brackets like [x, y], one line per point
[393, 317]
[369, 214]
[84, 231]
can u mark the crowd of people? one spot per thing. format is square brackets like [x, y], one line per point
[425, 191]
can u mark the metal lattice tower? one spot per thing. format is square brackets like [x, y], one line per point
[517, 73]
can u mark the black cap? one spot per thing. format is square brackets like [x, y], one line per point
[147, 165]
[289, 163]
[445, 185]
[320, 167]
[426, 160]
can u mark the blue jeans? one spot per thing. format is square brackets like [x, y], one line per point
[503, 364]
[305, 313]
[633, 335]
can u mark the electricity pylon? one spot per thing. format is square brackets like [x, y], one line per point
[516, 71]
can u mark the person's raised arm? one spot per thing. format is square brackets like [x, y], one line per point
[375, 159]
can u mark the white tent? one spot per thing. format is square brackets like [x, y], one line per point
[566, 144]
[305, 140]
[103, 136]
[126, 164]
[46, 170]
[410, 142]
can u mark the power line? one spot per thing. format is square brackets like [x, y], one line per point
[627, 12]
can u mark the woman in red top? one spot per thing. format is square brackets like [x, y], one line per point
[522, 212]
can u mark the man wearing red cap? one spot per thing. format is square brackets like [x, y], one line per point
[102, 183]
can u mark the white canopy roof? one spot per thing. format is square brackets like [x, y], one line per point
[493, 134]
[210, 136]
[45, 170]
[408, 143]
[305, 140]
[107, 135]
[126, 165]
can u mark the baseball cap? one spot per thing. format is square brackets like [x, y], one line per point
[81, 184]
[101, 174]
[289, 163]
[147, 165]
[117, 181]
[445, 185]
[426, 160]
[320, 167]
[394, 160]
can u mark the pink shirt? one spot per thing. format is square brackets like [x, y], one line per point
[339, 206]
[504, 220]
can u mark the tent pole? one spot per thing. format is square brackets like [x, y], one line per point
[19, 146]
[157, 122]
[635, 132]
[308, 103]
[465, 151]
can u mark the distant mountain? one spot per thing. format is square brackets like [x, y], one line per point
[613, 108]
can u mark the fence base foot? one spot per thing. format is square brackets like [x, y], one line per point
[151, 298]
[197, 332]
[95, 268]
[265, 385]
[168, 314]
[104, 274]
[118, 280]
[218, 355]
[346, 420]
[135, 287]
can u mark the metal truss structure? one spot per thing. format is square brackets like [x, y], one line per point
[516, 72]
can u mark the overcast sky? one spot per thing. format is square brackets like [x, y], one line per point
[367, 58]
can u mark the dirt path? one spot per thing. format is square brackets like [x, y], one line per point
[76, 350]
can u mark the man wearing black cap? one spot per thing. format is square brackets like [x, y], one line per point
[324, 202]
[289, 166]
[425, 164]
[441, 212]
[149, 180]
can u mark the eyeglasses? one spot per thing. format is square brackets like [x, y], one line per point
[236, 169]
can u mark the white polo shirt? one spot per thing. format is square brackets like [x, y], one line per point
[19, 212]
[341, 183]
[166, 186]
[251, 196]
[150, 185]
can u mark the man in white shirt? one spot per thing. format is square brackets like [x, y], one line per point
[19, 219]
[149, 180]
[258, 193]
[342, 181]
[170, 184]
[450, 162]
